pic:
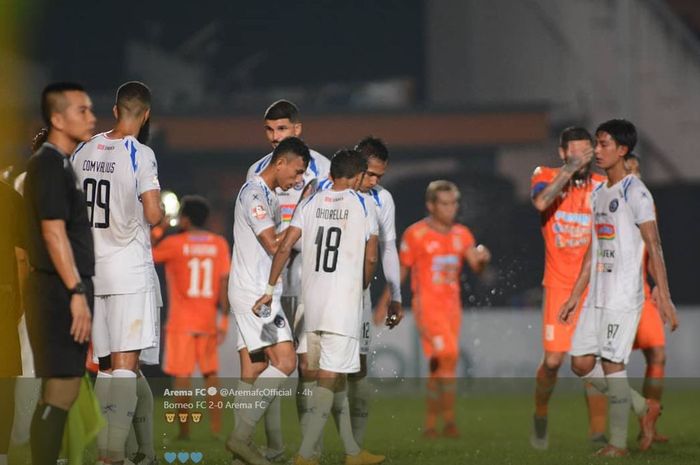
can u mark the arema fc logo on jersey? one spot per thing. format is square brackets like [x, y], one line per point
[613, 205]
[279, 321]
[299, 186]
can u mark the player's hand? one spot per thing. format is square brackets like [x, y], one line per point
[381, 310]
[576, 161]
[668, 313]
[566, 312]
[264, 300]
[483, 254]
[394, 314]
[82, 319]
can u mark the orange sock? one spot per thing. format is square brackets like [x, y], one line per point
[449, 395]
[653, 382]
[597, 410]
[545, 380]
[433, 402]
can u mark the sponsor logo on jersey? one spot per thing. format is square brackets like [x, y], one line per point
[259, 212]
[105, 147]
[604, 267]
[613, 205]
[605, 231]
[279, 321]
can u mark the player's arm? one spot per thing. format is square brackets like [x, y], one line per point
[271, 240]
[371, 258]
[152, 209]
[584, 275]
[544, 199]
[280, 258]
[391, 307]
[222, 326]
[477, 257]
[657, 267]
[61, 254]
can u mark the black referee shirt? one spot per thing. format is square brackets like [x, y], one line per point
[51, 192]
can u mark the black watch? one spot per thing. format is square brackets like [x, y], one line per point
[79, 288]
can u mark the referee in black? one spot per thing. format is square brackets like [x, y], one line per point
[61, 256]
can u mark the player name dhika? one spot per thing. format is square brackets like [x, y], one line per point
[99, 166]
[332, 213]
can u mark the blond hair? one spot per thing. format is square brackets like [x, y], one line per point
[440, 185]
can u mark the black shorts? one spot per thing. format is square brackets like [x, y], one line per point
[56, 354]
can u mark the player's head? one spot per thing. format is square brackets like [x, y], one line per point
[375, 152]
[282, 121]
[194, 212]
[133, 102]
[289, 162]
[442, 201]
[573, 141]
[614, 139]
[632, 165]
[39, 138]
[67, 109]
[347, 168]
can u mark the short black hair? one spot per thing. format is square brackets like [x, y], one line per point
[51, 101]
[282, 109]
[622, 132]
[347, 163]
[574, 133]
[196, 208]
[133, 98]
[291, 146]
[372, 146]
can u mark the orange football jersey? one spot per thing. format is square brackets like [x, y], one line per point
[194, 262]
[436, 261]
[566, 227]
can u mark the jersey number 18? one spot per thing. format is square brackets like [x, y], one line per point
[328, 248]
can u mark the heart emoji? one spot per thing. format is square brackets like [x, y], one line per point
[170, 457]
[183, 456]
[196, 457]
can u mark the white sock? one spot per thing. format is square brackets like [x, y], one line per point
[3, 459]
[143, 417]
[123, 399]
[322, 404]
[132, 445]
[304, 401]
[273, 425]
[102, 386]
[241, 399]
[269, 380]
[27, 392]
[358, 398]
[341, 415]
[619, 407]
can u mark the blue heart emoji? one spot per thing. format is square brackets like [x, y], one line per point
[170, 457]
[196, 456]
[183, 456]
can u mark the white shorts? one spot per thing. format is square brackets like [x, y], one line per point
[127, 322]
[338, 353]
[366, 328]
[255, 333]
[608, 334]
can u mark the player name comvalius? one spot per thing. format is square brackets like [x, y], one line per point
[99, 166]
[332, 214]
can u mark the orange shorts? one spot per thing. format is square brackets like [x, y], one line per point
[440, 336]
[184, 350]
[650, 332]
[556, 336]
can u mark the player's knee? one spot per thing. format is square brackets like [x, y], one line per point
[581, 366]
[286, 365]
[552, 361]
[656, 356]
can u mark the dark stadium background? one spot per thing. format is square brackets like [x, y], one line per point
[352, 66]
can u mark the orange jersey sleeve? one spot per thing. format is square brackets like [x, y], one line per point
[193, 272]
[540, 179]
[166, 249]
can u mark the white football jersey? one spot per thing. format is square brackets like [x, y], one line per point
[335, 228]
[617, 247]
[383, 202]
[256, 210]
[319, 167]
[114, 173]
